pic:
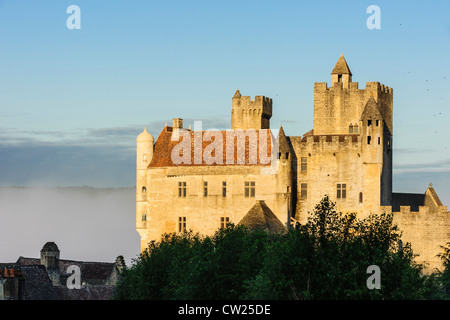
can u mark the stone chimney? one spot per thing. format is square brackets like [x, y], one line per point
[50, 259]
[177, 125]
[12, 285]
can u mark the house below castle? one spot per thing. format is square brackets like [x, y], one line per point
[47, 278]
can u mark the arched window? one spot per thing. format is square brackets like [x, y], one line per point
[355, 128]
[144, 189]
[350, 128]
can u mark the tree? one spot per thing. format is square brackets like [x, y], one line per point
[326, 258]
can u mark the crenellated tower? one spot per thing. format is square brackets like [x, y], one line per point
[344, 109]
[250, 114]
[338, 109]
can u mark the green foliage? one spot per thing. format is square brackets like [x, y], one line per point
[327, 258]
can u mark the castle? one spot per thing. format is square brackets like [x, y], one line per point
[201, 180]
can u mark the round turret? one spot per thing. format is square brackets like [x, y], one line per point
[145, 137]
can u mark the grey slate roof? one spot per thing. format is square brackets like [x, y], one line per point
[38, 285]
[94, 272]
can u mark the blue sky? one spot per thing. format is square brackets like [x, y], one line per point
[73, 101]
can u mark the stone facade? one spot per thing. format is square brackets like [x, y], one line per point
[347, 155]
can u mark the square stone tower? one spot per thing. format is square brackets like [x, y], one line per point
[250, 114]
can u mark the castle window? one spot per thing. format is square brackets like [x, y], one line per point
[355, 128]
[182, 189]
[379, 140]
[377, 123]
[341, 191]
[224, 189]
[360, 197]
[369, 123]
[205, 188]
[339, 77]
[224, 221]
[144, 217]
[249, 189]
[369, 138]
[304, 164]
[350, 129]
[181, 224]
[304, 190]
[279, 155]
[287, 155]
[144, 189]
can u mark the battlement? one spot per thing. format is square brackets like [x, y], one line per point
[372, 86]
[248, 113]
[422, 210]
[258, 103]
[259, 99]
[377, 87]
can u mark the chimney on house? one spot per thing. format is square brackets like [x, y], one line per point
[50, 259]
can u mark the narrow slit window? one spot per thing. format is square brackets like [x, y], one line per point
[224, 189]
[361, 197]
[205, 188]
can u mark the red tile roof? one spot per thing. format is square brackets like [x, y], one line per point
[162, 155]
